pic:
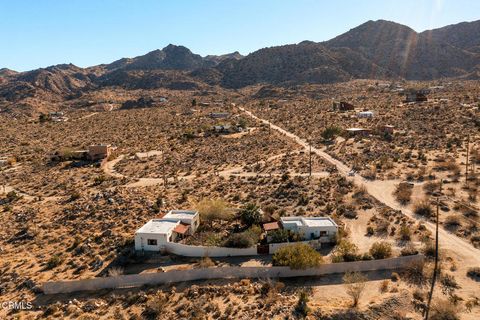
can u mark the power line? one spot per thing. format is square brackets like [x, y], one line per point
[435, 270]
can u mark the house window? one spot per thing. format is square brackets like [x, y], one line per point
[323, 233]
[152, 242]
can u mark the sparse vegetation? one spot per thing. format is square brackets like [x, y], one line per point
[403, 193]
[423, 208]
[297, 256]
[355, 285]
[381, 250]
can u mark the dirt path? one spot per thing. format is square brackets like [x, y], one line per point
[7, 189]
[87, 116]
[382, 190]
[109, 169]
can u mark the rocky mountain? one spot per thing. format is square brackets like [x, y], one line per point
[463, 35]
[169, 58]
[5, 72]
[404, 52]
[216, 59]
[376, 49]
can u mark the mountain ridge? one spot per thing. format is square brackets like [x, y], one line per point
[378, 49]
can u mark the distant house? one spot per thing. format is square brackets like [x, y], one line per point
[365, 114]
[94, 153]
[176, 224]
[358, 132]
[57, 116]
[219, 115]
[99, 151]
[342, 106]
[3, 161]
[415, 96]
[226, 129]
[311, 228]
[387, 128]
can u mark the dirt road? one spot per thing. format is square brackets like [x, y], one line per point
[466, 253]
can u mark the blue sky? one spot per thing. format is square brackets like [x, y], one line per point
[39, 33]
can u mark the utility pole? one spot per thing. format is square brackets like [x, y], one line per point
[473, 159]
[310, 158]
[435, 270]
[466, 164]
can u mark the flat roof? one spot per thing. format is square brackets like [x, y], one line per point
[292, 220]
[357, 129]
[181, 214]
[319, 222]
[309, 221]
[158, 226]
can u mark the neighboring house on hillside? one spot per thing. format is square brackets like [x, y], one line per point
[358, 132]
[415, 96]
[94, 153]
[311, 228]
[3, 161]
[365, 114]
[226, 129]
[387, 129]
[342, 106]
[219, 115]
[100, 151]
[176, 224]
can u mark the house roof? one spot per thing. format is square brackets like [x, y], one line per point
[158, 226]
[357, 129]
[309, 221]
[181, 228]
[319, 222]
[186, 215]
[271, 226]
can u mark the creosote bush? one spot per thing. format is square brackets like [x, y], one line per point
[423, 208]
[54, 261]
[381, 250]
[297, 256]
[345, 251]
[213, 209]
[403, 193]
[444, 310]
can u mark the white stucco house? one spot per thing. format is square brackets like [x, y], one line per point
[311, 228]
[176, 224]
[365, 114]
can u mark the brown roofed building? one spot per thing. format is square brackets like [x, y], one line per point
[100, 151]
[342, 106]
[271, 226]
